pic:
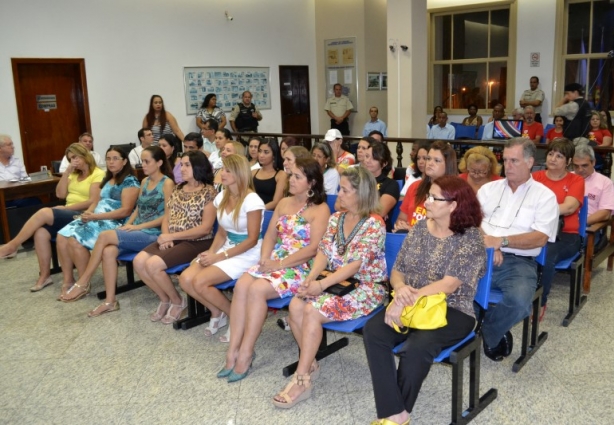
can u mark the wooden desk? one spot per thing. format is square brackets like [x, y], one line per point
[19, 190]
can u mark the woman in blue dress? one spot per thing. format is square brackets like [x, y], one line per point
[118, 193]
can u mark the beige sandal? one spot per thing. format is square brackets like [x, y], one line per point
[104, 308]
[84, 291]
[300, 380]
[64, 290]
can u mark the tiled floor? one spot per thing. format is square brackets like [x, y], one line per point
[59, 366]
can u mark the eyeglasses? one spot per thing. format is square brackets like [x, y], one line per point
[499, 205]
[431, 198]
[477, 172]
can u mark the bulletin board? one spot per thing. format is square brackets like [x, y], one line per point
[341, 67]
[228, 83]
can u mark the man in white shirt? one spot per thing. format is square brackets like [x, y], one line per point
[374, 123]
[520, 217]
[11, 167]
[87, 140]
[208, 131]
[146, 138]
[498, 113]
[443, 130]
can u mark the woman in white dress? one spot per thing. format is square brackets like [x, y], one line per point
[235, 248]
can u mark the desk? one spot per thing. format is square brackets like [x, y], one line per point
[19, 190]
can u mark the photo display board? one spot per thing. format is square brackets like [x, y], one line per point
[341, 67]
[227, 83]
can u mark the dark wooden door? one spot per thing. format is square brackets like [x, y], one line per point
[294, 92]
[48, 126]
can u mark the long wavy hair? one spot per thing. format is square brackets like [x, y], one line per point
[151, 115]
[449, 156]
[238, 166]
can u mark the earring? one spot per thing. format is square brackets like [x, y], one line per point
[310, 193]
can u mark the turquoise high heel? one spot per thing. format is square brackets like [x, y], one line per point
[236, 377]
[224, 373]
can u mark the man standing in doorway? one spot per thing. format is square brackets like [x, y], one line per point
[245, 115]
[374, 124]
[533, 97]
[338, 108]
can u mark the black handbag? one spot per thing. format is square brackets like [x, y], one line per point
[342, 288]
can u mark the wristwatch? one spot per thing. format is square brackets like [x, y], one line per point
[505, 242]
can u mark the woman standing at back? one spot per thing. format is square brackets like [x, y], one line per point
[159, 120]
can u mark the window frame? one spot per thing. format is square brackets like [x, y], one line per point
[511, 5]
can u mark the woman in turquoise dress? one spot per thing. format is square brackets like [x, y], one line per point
[118, 193]
[285, 260]
[141, 229]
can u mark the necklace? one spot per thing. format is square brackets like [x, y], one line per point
[342, 243]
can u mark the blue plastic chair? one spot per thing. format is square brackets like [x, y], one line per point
[470, 347]
[465, 132]
[394, 214]
[330, 200]
[480, 132]
[401, 184]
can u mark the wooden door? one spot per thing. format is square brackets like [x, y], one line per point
[294, 93]
[52, 106]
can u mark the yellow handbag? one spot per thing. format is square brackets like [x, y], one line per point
[427, 313]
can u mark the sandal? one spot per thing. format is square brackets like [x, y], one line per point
[226, 337]
[388, 422]
[104, 308]
[160, 311]
[301, 381]
[64, 290]
[314, 371]
[215, 324]
[42, 286]
[172, 318]
[84, 291]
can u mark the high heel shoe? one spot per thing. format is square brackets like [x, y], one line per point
[42, 286]
[160, 311]
[8, 256]
[215, 324]
[172, 318]
[226, 337]
[236, 377]
[301, 381]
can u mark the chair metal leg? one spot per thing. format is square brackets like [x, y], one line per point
[55, 263]
[324, 350]
[530, 326]
[197, 315]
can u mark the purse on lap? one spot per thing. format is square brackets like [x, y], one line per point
[342, 288]
[427, 313]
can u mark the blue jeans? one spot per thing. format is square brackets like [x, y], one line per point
[134, 241]
[566, 245]
[516, 278]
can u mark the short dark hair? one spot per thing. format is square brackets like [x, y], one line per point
[381, 154]
[563, 146]
[125, 171]
[314, 176]
[468, 211]
[472, 105]
[278, 161]
[575, 87]
[379, 133]
[289, 141]
[227, 133]
[207, 99]
[213, 124]
[335, 85]
[449, 156]
[140, 134]
[202, 169]
[536, 77]
[194, 137]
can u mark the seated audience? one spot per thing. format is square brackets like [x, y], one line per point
[498, 113]
[343, 158]
[79, 186]
[520, 216]
[352, 246]
[236, 245]
[159, 120]
[377, 135]
[473, 118]
[569, 190]
[187, 230]
[87, 140]
[532, 129]
[479, 166]
[598, 188]
[222, 137]
[518, 114]
[290, 155]
[607, 118]
[288, 247]
[286, 143]
[172, 149]
[252, 152]
[323, 154]
[270, 179]
[556, 131]
[146, 138]
[209, 110]
[230, 148]
[117, 197]
[12, 167]
[442, 130]
[191, 143]
[440, 161]
[363, 145]
[208, 130]
[419, 152]
[434, 120]
[598, 131]
[379, 163]
[141, 229]
[444, 253]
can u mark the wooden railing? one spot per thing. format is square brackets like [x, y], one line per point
[460, 146]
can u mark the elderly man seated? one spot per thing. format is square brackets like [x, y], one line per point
[12, 169]
[87, 140]
[598, 188]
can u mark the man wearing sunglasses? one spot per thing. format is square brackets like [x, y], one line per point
[520, 216]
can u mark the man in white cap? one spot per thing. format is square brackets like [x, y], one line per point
[335, 139]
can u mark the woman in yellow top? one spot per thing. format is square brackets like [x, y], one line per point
[79, 185]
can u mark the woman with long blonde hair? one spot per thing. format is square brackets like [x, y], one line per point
[235, 248]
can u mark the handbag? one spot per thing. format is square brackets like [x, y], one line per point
[427, 313]
[342, 288]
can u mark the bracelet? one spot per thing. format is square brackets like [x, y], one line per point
[225, 254]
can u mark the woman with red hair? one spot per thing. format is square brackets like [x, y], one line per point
[444, 253]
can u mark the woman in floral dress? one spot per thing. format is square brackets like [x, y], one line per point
[287, 252]
[352, 246]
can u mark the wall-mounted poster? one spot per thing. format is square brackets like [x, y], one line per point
[341, 67]
[373, 81]
[227, 84]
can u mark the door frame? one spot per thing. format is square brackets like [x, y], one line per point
[15, 62]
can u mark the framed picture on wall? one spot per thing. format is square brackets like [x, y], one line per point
[373, 81]
[384, 81]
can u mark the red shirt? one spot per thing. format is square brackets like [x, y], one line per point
[570, 185]
[553, 134]
[414, 212]
[598, 135]
[533, 130]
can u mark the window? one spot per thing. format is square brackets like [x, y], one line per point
[470, 58]
[589, 37]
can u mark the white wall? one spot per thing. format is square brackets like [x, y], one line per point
[135, 48]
